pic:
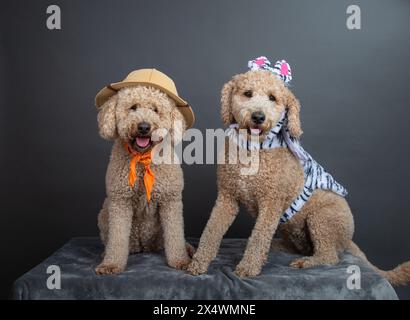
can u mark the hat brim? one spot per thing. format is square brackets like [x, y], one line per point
[105, 93]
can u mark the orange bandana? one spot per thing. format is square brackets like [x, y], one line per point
[145, 160]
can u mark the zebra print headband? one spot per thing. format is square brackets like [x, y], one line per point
[281, 68]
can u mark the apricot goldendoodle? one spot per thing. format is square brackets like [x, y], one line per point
[135, 218]
[258, 101]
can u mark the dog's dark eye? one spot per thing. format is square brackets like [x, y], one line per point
[134, 107]
[155, 109]
[248, 93]
[272, 97]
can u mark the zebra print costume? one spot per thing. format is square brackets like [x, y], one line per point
[315, 176]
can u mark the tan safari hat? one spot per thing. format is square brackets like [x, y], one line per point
[148, 77]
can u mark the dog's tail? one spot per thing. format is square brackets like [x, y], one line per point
[398, 276]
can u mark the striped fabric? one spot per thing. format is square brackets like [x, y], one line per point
[316, 176]
[281, 68]
[283, 71]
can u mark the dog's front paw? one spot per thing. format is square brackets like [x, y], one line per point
[108, 268]
[196, 268]
[244, 269]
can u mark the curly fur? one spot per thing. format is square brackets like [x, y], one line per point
[320, 231]
[127, 222]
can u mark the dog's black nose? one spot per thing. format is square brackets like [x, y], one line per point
[258, 117]
[144, 128]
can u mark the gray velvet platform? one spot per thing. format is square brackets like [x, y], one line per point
[148, 277]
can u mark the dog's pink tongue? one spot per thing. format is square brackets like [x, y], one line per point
[255, 131]
[142, 141]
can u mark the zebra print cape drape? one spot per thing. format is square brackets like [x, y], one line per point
[316, 176]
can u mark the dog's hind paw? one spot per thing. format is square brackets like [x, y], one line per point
[190, 249]
[312, 261]
[180, 264]
[305, 262]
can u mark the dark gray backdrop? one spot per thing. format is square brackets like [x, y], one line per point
[353, 86]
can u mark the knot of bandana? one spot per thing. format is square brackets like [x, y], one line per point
[149, 177]
[281, 68]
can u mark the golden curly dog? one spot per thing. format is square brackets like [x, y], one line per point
[127, 222]
[320, 231]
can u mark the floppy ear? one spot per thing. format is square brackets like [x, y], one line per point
[226, 97]
[293, 107]
[107, 120]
